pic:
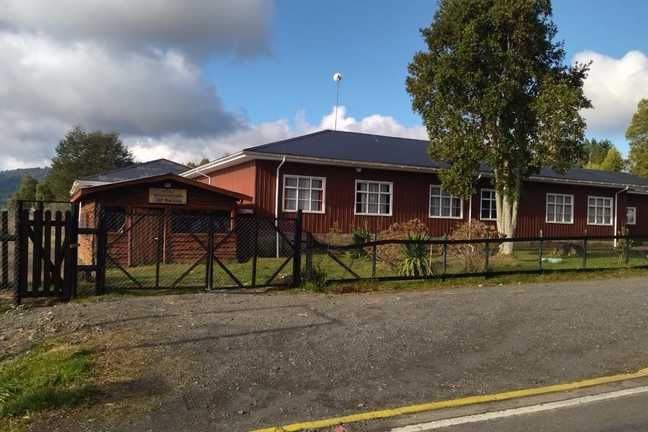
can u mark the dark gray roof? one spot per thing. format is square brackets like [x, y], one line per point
[361, 147]
[139, 170]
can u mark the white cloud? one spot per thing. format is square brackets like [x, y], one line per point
[374, 124]
[185, 149]
[615, 87]
[192, 26]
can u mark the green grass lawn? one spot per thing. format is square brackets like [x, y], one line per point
[48, 376]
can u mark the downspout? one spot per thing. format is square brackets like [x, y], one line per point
[616, 211]
[276, 212]
[204, 175]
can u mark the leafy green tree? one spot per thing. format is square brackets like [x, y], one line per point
[192, 164]
[595, 151]
[637, 136]
[26, 191]
[44, 192]
[494, 92]
[613, 161]
[81, 154]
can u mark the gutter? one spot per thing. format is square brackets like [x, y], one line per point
[244, 155]
[283, 161]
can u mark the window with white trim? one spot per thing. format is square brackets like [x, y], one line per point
[488, 205]
[599, 210]
[303, 193]
[560, 208]
[444, 205]
[373, 198]
[631, 215]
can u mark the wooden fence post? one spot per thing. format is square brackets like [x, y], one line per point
[296, 280]
[585, 250]
[209, 260]
[374, 253]
[255, 249]
[445, 256]
[540, 253]
[20, 276]
[74, 245]
[102, 250]
[487, 255]
[626, 246]
[5, 250]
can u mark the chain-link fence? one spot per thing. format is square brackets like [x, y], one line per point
[193, 249]
[417, 256]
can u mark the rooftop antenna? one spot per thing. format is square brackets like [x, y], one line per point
[337, 77]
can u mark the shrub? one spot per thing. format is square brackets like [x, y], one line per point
[359, 237]
[416, 261]
[472, 255]
[391, 254]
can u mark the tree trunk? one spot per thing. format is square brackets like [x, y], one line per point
[507, 213]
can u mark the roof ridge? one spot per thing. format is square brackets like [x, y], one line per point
[254, 148]
[131, 166]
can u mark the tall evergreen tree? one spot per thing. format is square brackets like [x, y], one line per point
[82, 154]
[26, 191]
[493, 90]
[637, 136]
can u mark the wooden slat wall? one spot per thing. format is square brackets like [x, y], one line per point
[411, 200]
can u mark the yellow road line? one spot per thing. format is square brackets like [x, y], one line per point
[454, 403]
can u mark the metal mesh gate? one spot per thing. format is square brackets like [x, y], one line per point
[156, 249]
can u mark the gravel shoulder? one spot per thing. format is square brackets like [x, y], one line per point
[240, 361]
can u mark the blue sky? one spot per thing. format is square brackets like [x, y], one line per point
[371, 43]
[187, 79]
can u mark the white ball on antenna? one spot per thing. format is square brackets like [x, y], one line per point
[337, 77]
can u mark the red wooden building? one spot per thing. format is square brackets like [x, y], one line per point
[152, 214]
[349, 180]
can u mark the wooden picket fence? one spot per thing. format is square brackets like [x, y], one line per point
[6, 252]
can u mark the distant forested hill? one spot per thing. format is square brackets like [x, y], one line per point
[10, 180]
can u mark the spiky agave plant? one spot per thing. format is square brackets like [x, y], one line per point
[416, 262]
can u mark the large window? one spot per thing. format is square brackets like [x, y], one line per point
[599, 210]
[560, 208]
[373, 198]
[304, 193]
[444, 205]
[631, 216]
[488, 206]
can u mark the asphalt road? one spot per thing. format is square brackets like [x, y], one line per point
[236, 362]
[626, 414]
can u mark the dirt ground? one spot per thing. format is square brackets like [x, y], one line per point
[235, 362]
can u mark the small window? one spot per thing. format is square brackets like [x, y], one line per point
[115, 218]
[198, 223]
[373, 198]
[631, 216]
[599, 210]
[560, 208]
[444, 205]
[303, 193]
[488, 206]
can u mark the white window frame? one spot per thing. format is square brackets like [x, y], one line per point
[379, 183]
[634, 214]
[461, 204]
[297, 177]
[608, 199]
[571, 222]
[481, 204]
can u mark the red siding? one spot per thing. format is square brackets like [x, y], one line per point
[239, 178]
[411, 200]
